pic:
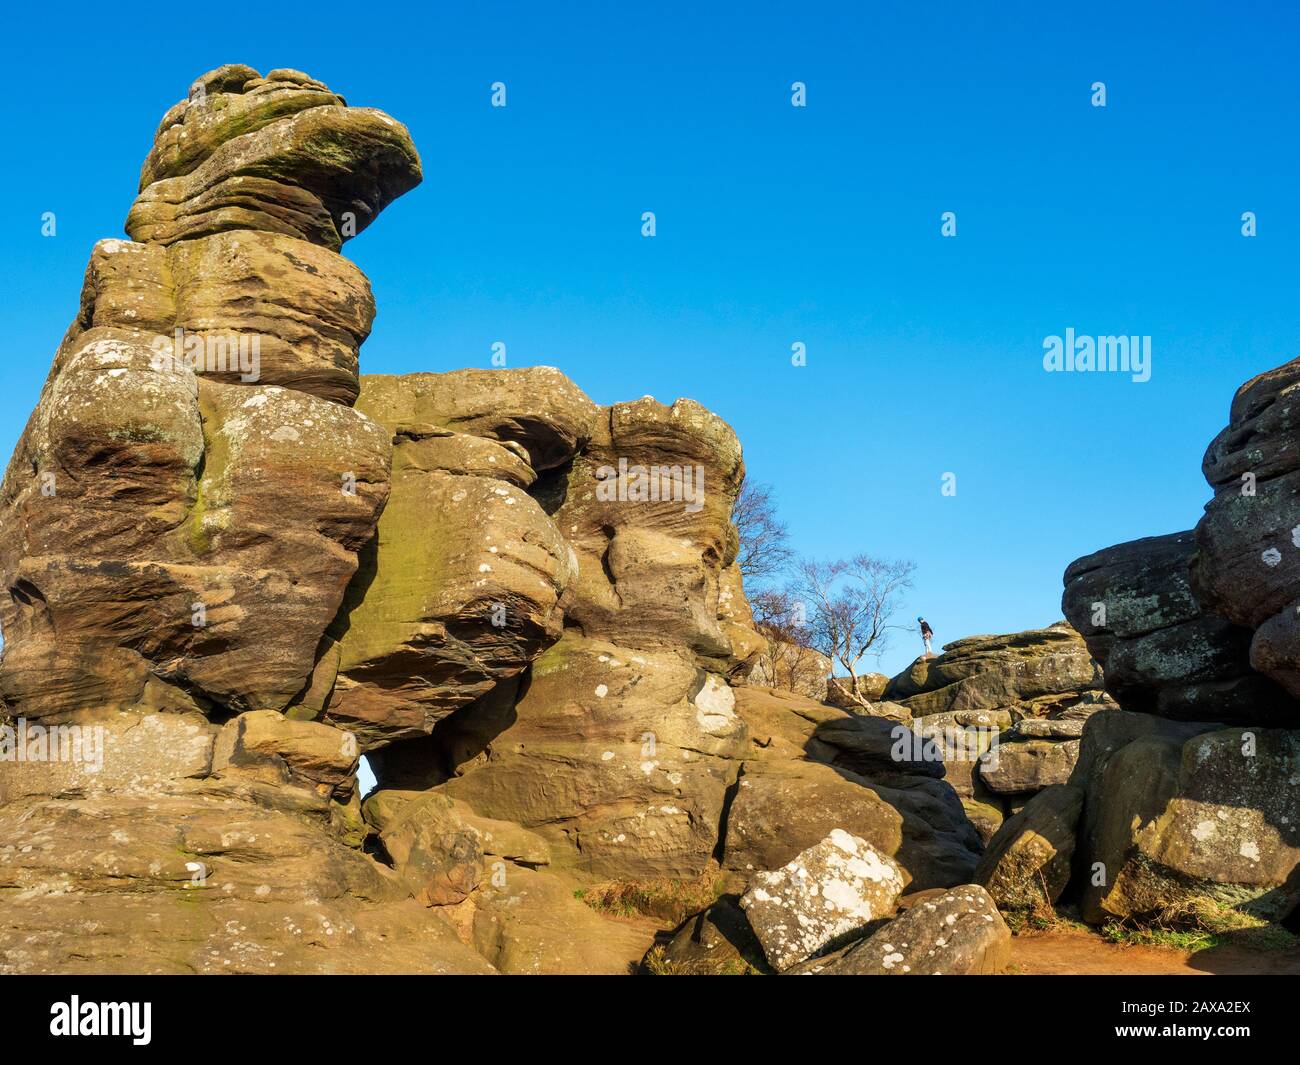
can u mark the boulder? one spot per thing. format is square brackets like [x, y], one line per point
[1247, 564]
[1027, 862]
[831, 890]
[1211, 817]
[871, 687]
[435, 852]
[323, 756]
[957, 933]
[1028, 765]
[781, 808]
[1160, 652]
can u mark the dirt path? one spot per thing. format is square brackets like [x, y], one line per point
[1080, 953]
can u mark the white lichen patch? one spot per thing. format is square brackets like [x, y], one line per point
[828, 891]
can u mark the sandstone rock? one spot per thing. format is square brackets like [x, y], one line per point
[1246, 568]
[531, 924]
[197, 878]
[783, 725]
[1160, 652]
[748, 645]
[1028, 765]
[325, 756]
[459, 592]
[1208, 817]
[879, 748]
[619, 759]
[985, 817]
[829, 891]
[782, 808]
[1028, 861]
[649, 570]
[268, 309]
[537, 410]
[147, 519]
[437, 855]
[871, 686]
[275, 159]
[716, 942]
[1037, 673]
[959, 933]
[90, 752]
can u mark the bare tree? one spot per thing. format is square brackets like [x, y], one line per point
[790, 661]
[850, 603]
[764, 540]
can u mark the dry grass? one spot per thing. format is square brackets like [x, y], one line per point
[665, 900]
[1198, 924]
[657, 963]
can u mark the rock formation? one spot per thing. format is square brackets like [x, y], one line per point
[1188, 794]
[234, 566]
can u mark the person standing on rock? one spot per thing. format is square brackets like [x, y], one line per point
[927, 634]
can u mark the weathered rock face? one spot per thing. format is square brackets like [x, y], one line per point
[461, 589]
[1028, 674]
[232, 569]
[280, 154]
[1027, 862]
[957, 933]
[829, 891]
[185, 508]
[1212, 817]
[1194, 632]
[814, 768]
[1003, 714]
[1247, 568]
[621, 744]
[1160, 652]
[178, 526]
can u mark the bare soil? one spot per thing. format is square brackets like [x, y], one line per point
[1071, 952]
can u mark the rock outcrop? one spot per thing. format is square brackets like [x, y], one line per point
[1193, 632]
[234, 566]
[1247, 565]
[1160, 652]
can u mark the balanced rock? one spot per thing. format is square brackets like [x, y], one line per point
[280, 154]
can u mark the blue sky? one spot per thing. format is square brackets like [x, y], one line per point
[775, 225]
